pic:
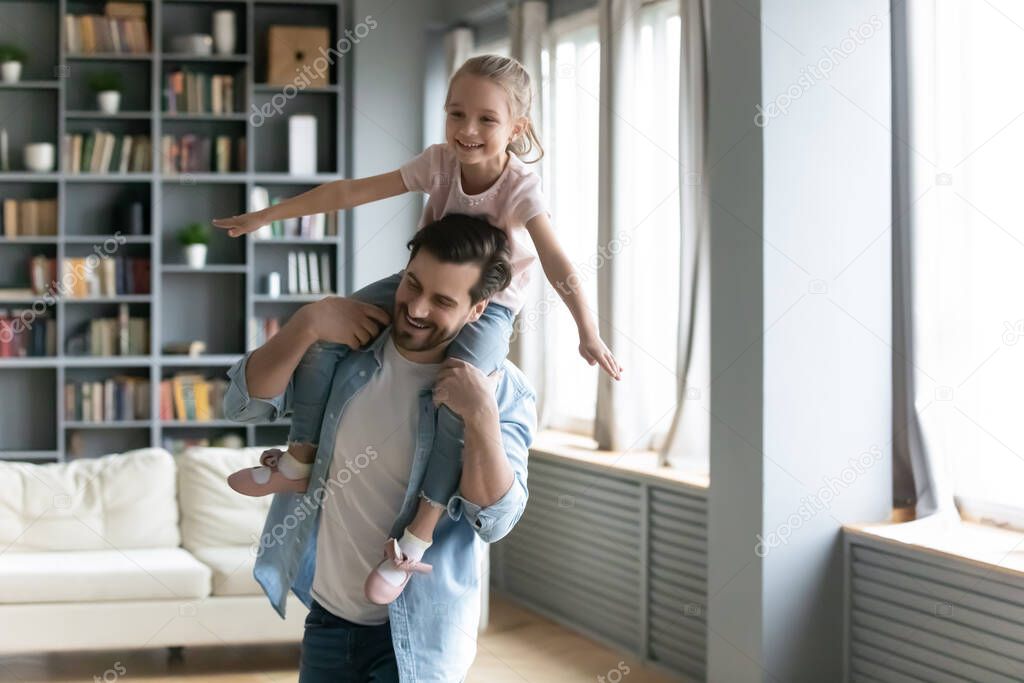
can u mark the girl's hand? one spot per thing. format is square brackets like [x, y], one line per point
[242, 224]
[595, 352]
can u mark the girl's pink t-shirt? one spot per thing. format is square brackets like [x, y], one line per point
[513, 199]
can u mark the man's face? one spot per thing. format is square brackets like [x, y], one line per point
[432, 303]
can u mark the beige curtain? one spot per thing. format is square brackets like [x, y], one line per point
[458, 46]
[617, 34]
[528, 24]
[688, 441]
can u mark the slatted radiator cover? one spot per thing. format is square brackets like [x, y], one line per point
[917, 616]
[615, 556]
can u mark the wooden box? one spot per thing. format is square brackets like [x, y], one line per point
[292, 48]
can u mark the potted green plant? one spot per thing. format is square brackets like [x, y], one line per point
[11, 59]
[194, 238]
[107, 86]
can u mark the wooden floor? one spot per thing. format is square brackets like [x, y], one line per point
[518, 647]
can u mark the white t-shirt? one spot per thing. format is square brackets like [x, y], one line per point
[509, 204]
[373, 454]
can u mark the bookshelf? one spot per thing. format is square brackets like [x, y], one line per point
[216, 304]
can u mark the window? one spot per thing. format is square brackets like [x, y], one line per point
[969, 246]
[569, 86]
[654, 227]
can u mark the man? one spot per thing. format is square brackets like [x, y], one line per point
[377, 432]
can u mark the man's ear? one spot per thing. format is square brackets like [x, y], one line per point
[477, 310]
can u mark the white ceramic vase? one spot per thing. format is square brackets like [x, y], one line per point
[109, 101]
[10, 72]
[224, 31]
[39, 156]
[195, 255]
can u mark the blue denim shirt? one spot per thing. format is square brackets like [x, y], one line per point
[435, 620]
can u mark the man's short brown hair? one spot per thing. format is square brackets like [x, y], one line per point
[457, 238]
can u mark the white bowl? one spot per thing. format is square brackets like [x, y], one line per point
[193, 44]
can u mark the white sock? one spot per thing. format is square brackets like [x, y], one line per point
[292, 468]
[412, 547]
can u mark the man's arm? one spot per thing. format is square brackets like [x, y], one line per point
[261, 381]
[260, 388]
[492, 490]
[270, 367]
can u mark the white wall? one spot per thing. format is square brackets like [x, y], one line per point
[387, 125]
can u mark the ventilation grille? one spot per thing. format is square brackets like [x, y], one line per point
[678, 581]
[614, 557]
[577, 550]
[916, 616]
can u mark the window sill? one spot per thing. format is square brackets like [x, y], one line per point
[642, 465]
[989, 547]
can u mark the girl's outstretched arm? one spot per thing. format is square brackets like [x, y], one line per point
[563, 277]
[333, 196]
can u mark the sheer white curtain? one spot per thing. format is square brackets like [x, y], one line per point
[688, 442]
[570, 76]
[638, 220]
[968, 246]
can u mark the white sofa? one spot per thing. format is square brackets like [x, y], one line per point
[140, 549]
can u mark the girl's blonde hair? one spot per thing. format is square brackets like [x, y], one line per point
[515, 80]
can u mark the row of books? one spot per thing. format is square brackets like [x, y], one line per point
[261, 330]
[115, 399]
[120, 336]
[192, 153]
[121, 28]
[315, 227]
[25, 332]
[192, 397]
[113, 276]
[29, 217]
[191, 92]
[104, 152]
[309, 272]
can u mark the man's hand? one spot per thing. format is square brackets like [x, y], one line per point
[343, 320]
[466, 390]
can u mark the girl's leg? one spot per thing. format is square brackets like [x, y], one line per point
[483, 343]
[289, 470]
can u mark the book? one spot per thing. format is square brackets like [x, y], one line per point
[314, 273]
[325, 272]
[293, 273]
[303, 273]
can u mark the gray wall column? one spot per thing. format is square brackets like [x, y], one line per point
[799, 183]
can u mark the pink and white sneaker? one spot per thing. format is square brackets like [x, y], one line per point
[266, 479]
[379, 590]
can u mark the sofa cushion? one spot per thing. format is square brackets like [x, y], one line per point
[212, 514]
[115, 501]
[96, 575]
[232, 569]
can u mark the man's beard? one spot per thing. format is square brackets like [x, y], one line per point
[423, 340]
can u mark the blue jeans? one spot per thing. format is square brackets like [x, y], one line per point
[338, 651]
[483, 344]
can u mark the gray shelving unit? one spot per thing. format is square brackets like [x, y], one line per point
[214, 304]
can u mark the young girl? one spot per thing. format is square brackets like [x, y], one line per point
[477, 171]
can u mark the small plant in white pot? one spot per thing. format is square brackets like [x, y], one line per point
[11, 59]
[107, 86]
[194, 238]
